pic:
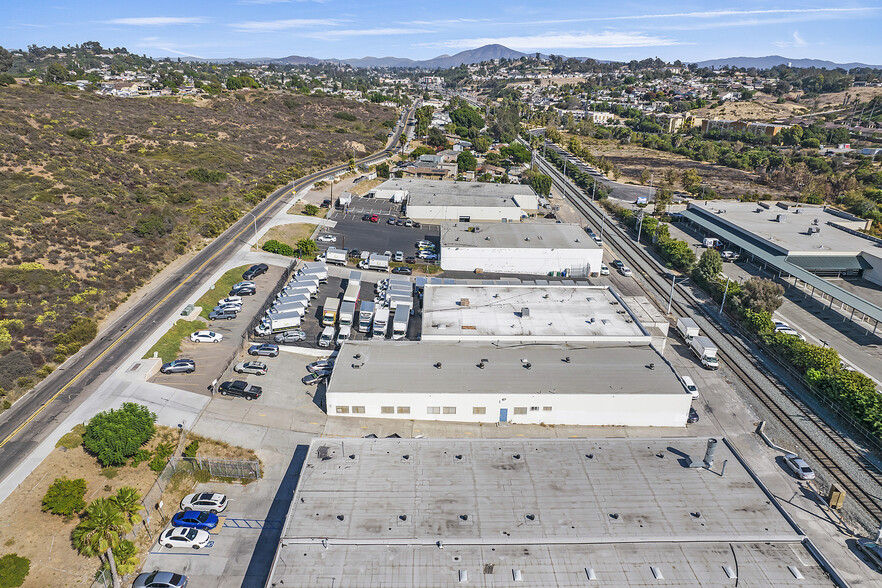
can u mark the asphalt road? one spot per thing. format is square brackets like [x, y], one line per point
[35, 416]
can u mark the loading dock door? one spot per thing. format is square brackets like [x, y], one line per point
[465, 219]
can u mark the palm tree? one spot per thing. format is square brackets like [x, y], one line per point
[101, 531]
[128, 501]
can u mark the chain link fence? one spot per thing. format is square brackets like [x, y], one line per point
[218, 468]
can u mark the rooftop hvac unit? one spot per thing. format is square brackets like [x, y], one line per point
[759, 210]
[781, 218]
[525, 312]
[464, 302]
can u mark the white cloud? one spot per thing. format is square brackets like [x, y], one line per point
[270, 26]
[158, 21]
[574, 40]
[797, 41]
[716, 14]
[332, 34]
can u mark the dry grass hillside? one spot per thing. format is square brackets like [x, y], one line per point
[98, 193]
[765, 107]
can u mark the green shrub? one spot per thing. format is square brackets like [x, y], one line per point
[140, 456]
[13, 366]
[160, 456]
[65, 497]
[345, 116]
[72, 439]
[191, 449]
[310, 210]
[202, 476]
[200, 174]
[114, 436]
[80, 133]
[274, 246]
[13, 570]
[110, 472]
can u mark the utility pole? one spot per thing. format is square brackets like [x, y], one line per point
[639, 225]
[671, 297]
[726, 291]
[594, 190]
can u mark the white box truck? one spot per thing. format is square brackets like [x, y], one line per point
[336, 256]
[347, 313]
[310, 286]
[351, 294]
[354, 278]
[381, 323]
[394, 301]
[378, 262]
[278, 322]
[399, 323]
[294, 296]
[319, 272]
[706, 352]
[292, 306]
[687, 328]
[327, 337]
[329, 311]
[365, 316]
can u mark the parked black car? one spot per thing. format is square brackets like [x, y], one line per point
[187, 366]
[366, 217]
[255, 270]
[241, 389]
[354, 253]
[326, 203]
[243, 291]
[693, 416]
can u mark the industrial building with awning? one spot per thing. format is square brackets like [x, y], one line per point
[804, 243]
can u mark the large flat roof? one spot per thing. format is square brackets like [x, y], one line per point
[385, 367]
[435, 193]
[556, 313]
[537, 235]
[791, 235]
[548, 508]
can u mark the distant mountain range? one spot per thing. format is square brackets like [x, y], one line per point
[773, 60]
[485, 53]
[488, 52]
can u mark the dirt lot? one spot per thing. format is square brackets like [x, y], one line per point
[288, 234]
[631, 160]
[765, 107]
[25, 529]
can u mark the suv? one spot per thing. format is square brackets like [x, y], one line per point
[187, 366]
[255, 270]
[267, 349]
[399, 256]
[241, 389]
[873, 551]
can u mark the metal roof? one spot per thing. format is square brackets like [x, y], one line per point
[754, 246]
[532, 235]
[829, 263]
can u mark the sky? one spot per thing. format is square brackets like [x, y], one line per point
[846, 31]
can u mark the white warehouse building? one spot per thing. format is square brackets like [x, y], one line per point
[527, 313]
[432, 201]
[519, 248]
[602, 385]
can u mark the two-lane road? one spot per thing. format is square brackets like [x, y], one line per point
[35, 416]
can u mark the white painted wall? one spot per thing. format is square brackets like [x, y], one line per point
[530, 260]
[435, 214]
[875, 274]
[641, 410]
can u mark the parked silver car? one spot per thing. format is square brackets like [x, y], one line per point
[157, 579]
[178, 366]
[250, 367]
[290, 337]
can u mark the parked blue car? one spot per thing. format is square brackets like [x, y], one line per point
[195, 519]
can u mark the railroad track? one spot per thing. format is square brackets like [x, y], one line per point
[792, 419]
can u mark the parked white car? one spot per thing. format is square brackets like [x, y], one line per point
[230, 300]
[799, 467]
[206, 337]
[690, 386]
[211, 501]
[604, 270]
[327, 239]
[626, 272]
[184, 537]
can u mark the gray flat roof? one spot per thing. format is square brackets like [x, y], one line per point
[515, 235]
[556, 312]
[790, 236]
[386, 367]
[549, 508]
[432, 192]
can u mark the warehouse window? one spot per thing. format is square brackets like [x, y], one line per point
[433, 410]
[479, 410]
[546, 408]
[534, 408]
[342, 410]
[358, 409]
[403, 410]
[387, 409]
[449, 410]
[520, 410]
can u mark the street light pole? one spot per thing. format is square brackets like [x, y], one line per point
[726, 291]
[639, 225]
[671, 297]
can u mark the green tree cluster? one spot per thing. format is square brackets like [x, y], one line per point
[65, 497]
[206, 176]
[114, 436]
[273, 246]
[466, 161]
[14, 569]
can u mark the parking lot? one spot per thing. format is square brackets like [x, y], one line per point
[212, 359]
[353, 233]
[311, 323]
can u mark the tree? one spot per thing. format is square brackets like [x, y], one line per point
[383, 170]
[466, 161]
[128, 501]
[13, 570]
[645, 175]
[56, 74]
[65, 497]
[5, 60]
[762, 294]
[760, 322]
[516, 152]
[541, 183]
[709, 267]
[481, 144]
[101, 531]
[306, 247]
[436, 138]
[310, 210]
[467, 117]
[116, 435]
[421, 150]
